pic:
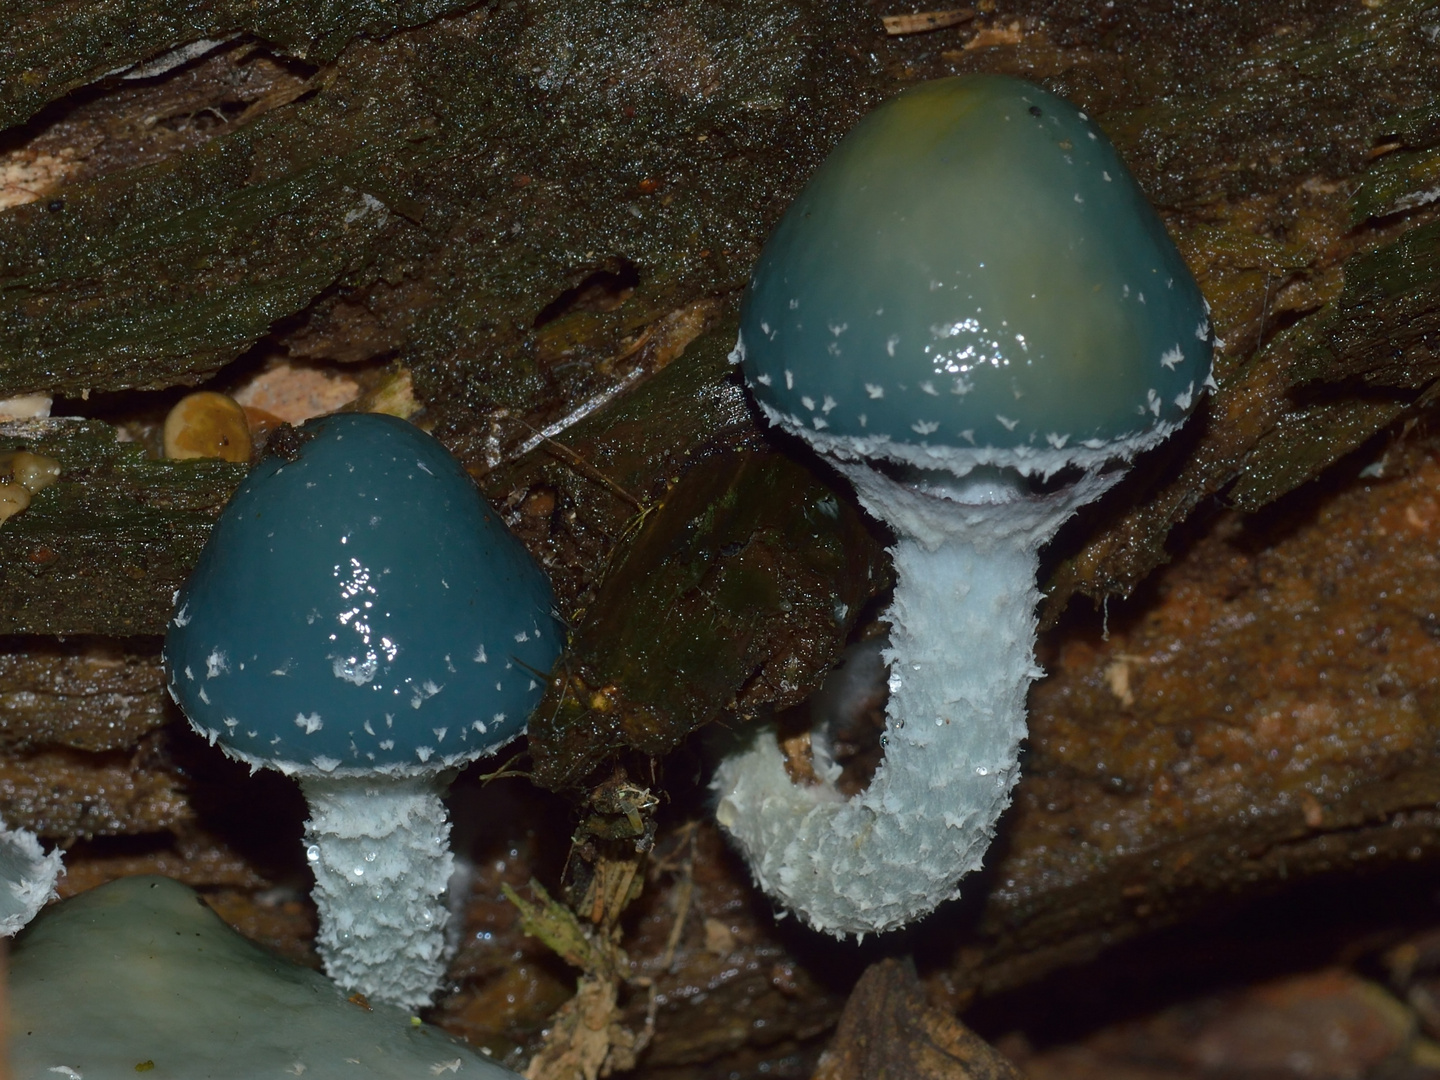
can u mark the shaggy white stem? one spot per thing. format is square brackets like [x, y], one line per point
[380, 850]
[961, 659]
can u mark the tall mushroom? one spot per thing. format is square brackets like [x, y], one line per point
[361, 620]
[973, 313]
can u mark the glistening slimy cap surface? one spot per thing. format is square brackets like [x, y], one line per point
[360, 608]
[974, 267]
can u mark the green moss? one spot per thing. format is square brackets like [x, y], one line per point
[1357, 367]
[1397, 182]
[1378, 333]
[104, 548]
[50, 49]
[453, 180]
[738, 591]
[191, 267]
[1312, 96]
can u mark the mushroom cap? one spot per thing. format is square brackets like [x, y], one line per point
[207, 425]
[361, 609]
[974, 277]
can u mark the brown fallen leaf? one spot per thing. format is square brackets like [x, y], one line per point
[889, 1031]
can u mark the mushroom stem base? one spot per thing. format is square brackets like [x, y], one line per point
[961, 660]
[380, 852]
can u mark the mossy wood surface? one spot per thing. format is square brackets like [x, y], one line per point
[440, 191]
[418, 188]
[452, 181]
[103, 549]
[1273, 167]
[50, 48]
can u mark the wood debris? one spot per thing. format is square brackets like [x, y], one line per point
[889, 1031]
[922, 22]
[586, 1038]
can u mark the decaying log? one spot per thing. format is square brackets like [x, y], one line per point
[538, 216]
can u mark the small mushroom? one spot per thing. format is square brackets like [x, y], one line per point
[140, 975]
[207, 425]
[33, 472]
[23, 475]
[14, 498]
[972, 313]
[360, 619]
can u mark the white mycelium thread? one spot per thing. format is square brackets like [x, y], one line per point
[961, 660]
[380, 851]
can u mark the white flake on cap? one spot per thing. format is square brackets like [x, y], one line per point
[309, 724]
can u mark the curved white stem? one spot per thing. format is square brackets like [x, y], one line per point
[961, 661]
[380, 851]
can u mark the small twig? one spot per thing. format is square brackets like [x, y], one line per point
[583, 467]
[587, 408]
[641, 340]
[621, 888]
[652, 1007]
[560, 697]
[556, 926]
[684, 892]
[505, 771]
[922, 22]
[634, 524]
[1264, 313]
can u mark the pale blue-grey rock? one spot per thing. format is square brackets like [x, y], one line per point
[140, 978]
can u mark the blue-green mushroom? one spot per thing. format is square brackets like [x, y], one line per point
[360, 619]
[973, 313]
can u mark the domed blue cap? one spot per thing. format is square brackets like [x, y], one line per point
[361, 609]
[973, 267]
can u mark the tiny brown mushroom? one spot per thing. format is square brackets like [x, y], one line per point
[13, 499]
[207, 425]
[33, 472]
[22, 474]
